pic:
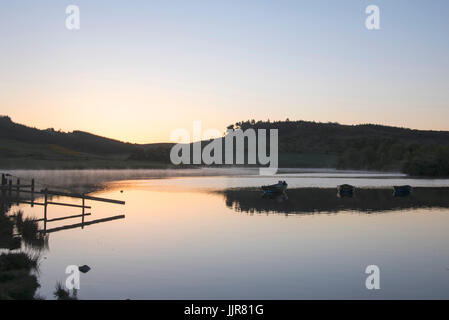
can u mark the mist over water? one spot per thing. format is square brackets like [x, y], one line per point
[90, 180]
[209, 234]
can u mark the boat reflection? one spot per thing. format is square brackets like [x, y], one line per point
[325, 200]
[279, 197]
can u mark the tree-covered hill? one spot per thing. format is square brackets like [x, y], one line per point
[77, 140]
[365, 146]
[301, 144]
[23, 147]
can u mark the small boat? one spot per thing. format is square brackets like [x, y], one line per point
[402, 191]
[279, 187]
[345, 190]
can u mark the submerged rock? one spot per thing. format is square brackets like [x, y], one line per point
[84, 269]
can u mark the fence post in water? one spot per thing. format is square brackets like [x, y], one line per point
[3, 184]
[45, 209]
[82, 218]
[10, 188]
[18, 191]
[32, 193]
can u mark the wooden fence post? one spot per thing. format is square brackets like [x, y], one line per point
[45, 209]
[18, 191]
[32, 193]
[82, 218]
[3, 184]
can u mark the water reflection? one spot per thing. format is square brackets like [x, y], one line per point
[24, 239]
[325, 200]
[182, 239]
[20, 246]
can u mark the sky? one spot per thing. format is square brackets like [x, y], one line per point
[137, 70]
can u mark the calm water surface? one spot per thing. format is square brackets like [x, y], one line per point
[202, 236]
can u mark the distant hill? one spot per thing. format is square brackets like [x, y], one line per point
[77, 140]
[25, 147]
[301, 144]
[366, 146]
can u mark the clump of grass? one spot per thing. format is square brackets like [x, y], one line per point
[18, 285]
[16, 280]
[15, 243]
[29, 229]
[6, 231]
[17, 261]
[62, 294]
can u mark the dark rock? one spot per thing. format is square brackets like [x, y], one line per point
[84, 269]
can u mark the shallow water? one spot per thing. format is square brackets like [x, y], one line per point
[206, 236]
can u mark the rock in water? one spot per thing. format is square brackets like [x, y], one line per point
[84, 268]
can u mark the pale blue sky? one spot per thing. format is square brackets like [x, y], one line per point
[138, 69]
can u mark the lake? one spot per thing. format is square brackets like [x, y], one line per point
[209, 234]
